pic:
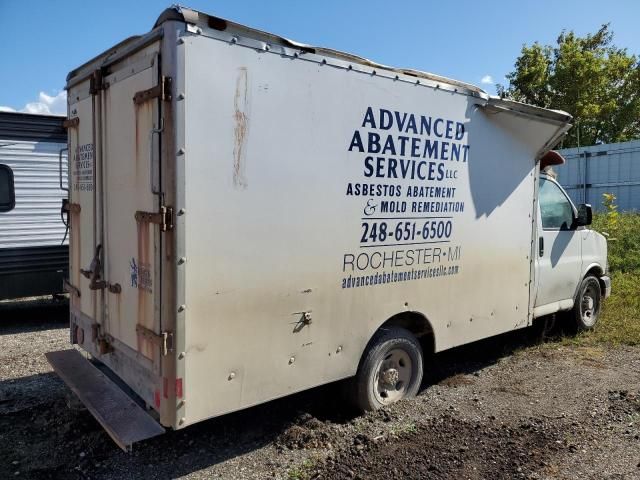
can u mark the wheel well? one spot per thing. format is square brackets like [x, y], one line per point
[417, 324]
[596, 271]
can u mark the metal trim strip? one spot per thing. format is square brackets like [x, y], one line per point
[112, 56]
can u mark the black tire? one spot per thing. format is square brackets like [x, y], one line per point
[586, 308]
[395, 354]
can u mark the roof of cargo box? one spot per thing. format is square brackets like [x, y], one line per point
[201, 19]
[237, 32]
[209, 25]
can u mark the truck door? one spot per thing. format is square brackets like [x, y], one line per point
[82, 195]
[559, 245]
[131, 126]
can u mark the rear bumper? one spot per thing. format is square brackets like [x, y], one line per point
[605, 286]
[122, 418]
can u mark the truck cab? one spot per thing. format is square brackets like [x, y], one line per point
[571, 260]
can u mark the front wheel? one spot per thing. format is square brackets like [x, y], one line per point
[390, 369]
[586, 309]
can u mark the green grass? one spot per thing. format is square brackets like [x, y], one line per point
[619, 323]
[408, 427]
[302, 471]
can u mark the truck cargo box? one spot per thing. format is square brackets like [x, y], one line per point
[247, 212]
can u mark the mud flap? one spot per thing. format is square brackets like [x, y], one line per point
[123, 419]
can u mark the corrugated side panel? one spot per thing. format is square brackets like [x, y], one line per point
[35, 221]
[608, 168]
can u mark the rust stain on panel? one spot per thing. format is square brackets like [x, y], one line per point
[145, 307]
[240, 132]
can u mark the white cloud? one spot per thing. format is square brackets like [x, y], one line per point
[487, 80]
[46, 104]
[54, 105]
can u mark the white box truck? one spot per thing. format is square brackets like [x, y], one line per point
[252, 217]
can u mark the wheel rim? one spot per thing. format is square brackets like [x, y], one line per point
[589, 306]
[393, 376]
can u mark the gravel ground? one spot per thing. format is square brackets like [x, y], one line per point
[507, 407]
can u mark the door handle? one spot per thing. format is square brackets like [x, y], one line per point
[151, 170]
[541, 246]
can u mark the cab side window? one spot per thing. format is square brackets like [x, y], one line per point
[7, 192]
[555, 208]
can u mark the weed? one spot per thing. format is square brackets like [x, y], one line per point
[302, 471]
[403, 428]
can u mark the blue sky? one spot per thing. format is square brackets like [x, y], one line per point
[466, 40]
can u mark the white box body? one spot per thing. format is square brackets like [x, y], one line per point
[315, 196]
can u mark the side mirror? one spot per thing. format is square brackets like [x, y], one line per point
[585, 215]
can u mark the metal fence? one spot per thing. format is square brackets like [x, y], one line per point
[609, 168]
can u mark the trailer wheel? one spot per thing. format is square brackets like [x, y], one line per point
[586, 309]
[390, 369]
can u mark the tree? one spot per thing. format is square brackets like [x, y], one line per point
[589, 77]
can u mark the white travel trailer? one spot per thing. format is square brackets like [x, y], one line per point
[252, 217]
[33, 246]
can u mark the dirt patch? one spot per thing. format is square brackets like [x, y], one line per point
[457, 380]
[447, 447]
[624, 406]
[306, 432]
[509, 407]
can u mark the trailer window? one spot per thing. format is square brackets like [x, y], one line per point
[555, 209]
[7, 192]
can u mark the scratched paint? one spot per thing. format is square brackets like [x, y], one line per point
[241, 107]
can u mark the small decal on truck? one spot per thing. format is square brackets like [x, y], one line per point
[134, 272]
[140, 275]
[83, 168]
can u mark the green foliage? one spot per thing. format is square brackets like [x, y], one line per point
[589, 77]
[612, 214]
[621, 314]
[619, 323]
[623, 231]
[620, 320]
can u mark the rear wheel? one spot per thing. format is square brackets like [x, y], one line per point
[586, 309]
[390, 369]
